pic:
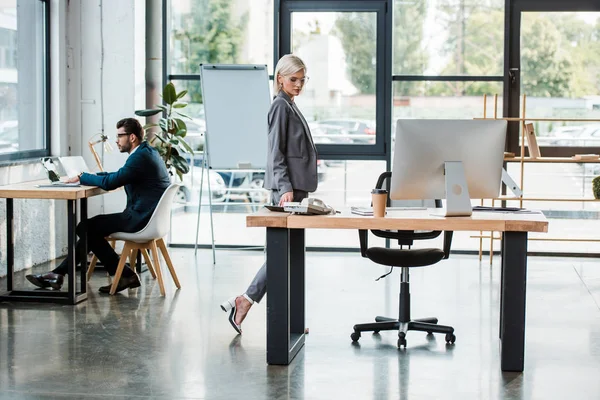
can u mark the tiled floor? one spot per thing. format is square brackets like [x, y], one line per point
[138, 345]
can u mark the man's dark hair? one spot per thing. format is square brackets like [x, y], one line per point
[132, 125]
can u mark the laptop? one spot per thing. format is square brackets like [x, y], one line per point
[73, 165]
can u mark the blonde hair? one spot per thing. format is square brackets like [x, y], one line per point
[287, 65]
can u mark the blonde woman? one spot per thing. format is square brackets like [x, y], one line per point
[291, 166]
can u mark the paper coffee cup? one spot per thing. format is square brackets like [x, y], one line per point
[379, 199]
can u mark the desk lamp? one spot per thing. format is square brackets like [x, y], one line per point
[94, 140]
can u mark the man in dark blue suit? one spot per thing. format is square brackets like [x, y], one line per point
[145, 178]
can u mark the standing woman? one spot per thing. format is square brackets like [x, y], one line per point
[291, 166]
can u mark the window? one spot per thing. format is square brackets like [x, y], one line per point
[23, 79]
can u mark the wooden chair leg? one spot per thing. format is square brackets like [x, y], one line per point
[133, 258]
[165, 253]
[94, 260]
[126, 252]
[157, 267]
[92, 266]
[148, 262]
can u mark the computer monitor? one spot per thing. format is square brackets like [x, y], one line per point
[454, 160]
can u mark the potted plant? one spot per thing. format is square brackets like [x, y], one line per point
[596, 187]
[169, 138]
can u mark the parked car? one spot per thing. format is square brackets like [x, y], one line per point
[361, 131]
[190, 191]
[329, 134]
[244, 186]
[586, 135]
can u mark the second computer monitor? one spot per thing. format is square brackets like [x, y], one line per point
[424, 147]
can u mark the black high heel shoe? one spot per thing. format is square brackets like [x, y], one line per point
[229, 305]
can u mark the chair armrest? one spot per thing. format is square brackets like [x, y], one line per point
[447, 243]
[363, 235]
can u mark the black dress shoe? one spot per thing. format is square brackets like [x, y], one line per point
[129, 282]
[49, 279]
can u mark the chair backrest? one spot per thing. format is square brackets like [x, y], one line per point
[405, 238]
[158, 225]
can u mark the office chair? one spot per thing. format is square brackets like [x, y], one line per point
[404, 259]
[149, 238]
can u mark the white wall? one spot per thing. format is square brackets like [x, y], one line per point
[98, 77]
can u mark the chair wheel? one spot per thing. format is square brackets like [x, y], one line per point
[355, 336]
[429, 333]
[450, 338]
[401, 342]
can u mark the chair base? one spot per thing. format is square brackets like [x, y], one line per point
[428, 325]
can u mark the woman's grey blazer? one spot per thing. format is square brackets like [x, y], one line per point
[292, 155]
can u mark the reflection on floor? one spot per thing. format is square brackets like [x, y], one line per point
[139, 345]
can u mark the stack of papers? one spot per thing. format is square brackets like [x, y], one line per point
[368, 211]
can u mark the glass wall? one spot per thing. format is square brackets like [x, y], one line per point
[447, 62]
[23, 78]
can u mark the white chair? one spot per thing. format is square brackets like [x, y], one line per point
[150, 237]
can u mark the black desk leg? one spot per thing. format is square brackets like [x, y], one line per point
[10, 245]
[512, 311]
[297, 251]
[285, 330]
[83, 244]
[71, 241]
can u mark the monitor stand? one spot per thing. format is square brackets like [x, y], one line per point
[458, 202]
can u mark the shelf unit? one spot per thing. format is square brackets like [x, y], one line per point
[522, 160]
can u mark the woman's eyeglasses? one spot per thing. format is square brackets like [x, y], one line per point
[295, 80]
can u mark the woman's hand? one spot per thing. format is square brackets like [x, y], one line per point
[285, 198]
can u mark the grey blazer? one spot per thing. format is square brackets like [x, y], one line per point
[292, 155]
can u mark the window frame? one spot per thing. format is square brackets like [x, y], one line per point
[512, 66]
[46, 123]
[383, 9]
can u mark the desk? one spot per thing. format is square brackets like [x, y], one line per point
[285, 269]
[28, 190]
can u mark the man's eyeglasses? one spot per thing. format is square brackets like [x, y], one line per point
[295, 80]
[123, 134]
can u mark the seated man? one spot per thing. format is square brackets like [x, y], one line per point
[145, 178]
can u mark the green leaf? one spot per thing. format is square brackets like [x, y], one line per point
[179, 174]
[150, 126]
[163, 124]
[186, 146]
[181, 133]
[183, 115]
[180, 124]
[180, 105]
[164, 108]
[181, 94]
[174, 141]
[147, 113]
[180, 163]
[158, 137]
[169, 94]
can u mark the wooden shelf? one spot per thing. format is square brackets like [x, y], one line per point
[564, 199]
[561, 160]
[585, 240]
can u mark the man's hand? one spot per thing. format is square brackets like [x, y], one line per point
[74, 179]
[286, 197]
